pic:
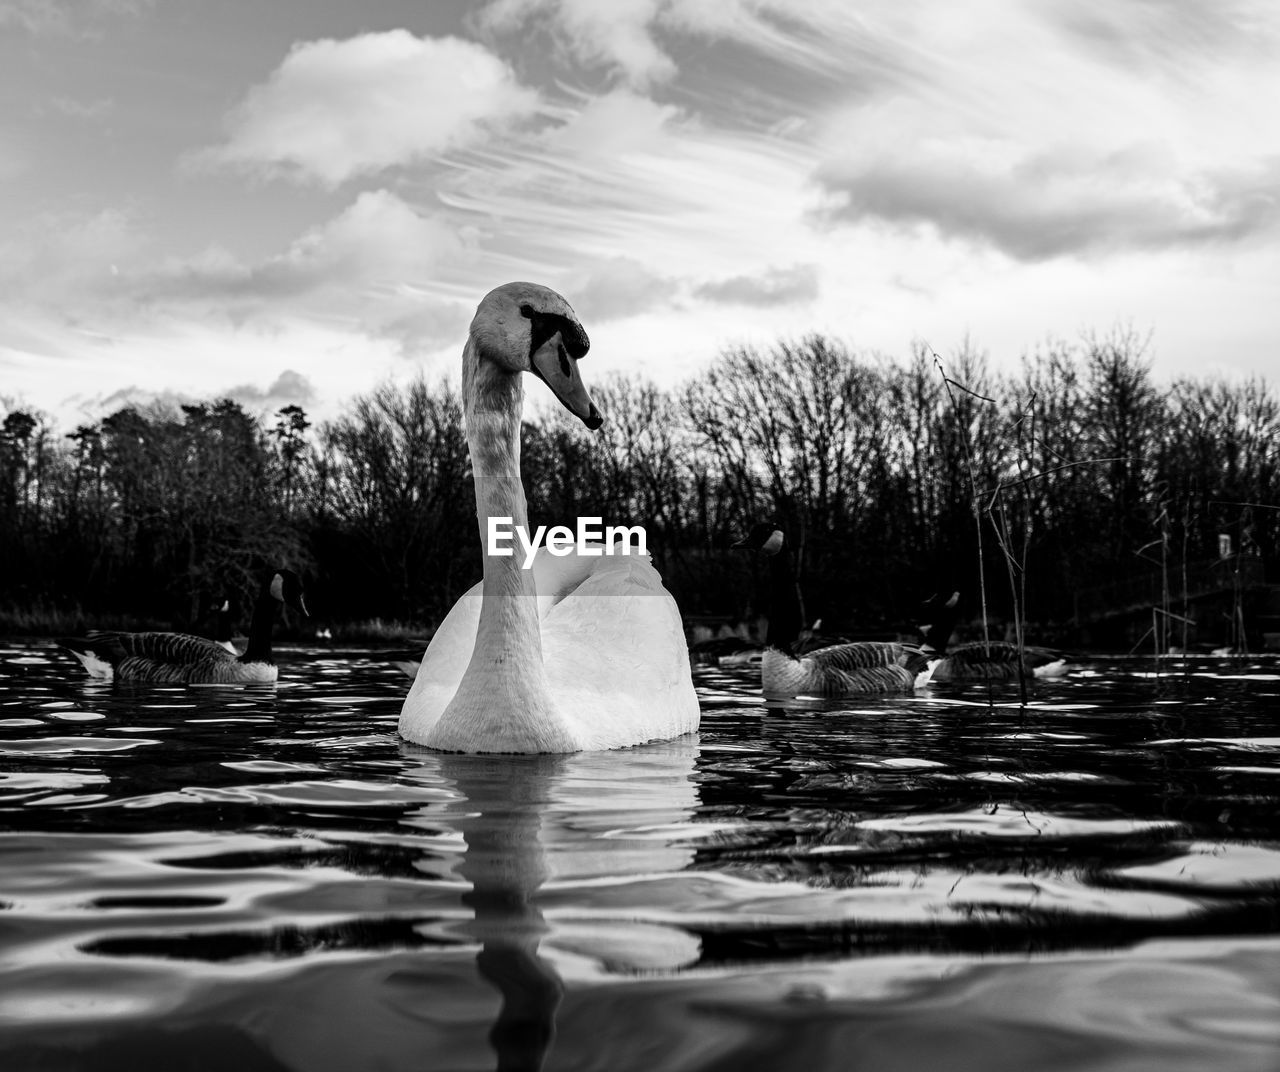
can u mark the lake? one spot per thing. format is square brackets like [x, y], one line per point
[267, 878]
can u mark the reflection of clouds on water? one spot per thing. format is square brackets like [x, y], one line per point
[532, 821]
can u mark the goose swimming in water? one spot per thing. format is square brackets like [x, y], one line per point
[179, 658]
[583, 651]
[850, 669]
[996, 660]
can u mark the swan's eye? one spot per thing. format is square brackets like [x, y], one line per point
[573, 340]
[542, 328]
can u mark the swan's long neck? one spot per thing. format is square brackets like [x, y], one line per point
[503, 700]
[509, 618]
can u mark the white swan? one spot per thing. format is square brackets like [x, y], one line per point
[578, 652]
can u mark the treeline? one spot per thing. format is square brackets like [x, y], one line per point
[895, 479]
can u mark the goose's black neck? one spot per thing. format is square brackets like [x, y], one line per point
[784, 603]
[264, 616]
[934, 643]
[942, 622]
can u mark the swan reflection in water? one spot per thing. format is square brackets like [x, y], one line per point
[530, 822]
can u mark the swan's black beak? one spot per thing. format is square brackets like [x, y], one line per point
[558, 369]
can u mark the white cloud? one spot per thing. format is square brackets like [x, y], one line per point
[618, 288]
[1035, 130]
[616, 35]
[377, 239]
[333, 109]
[774, 286]
[58, 258]
[63, 16]
[1177, 38]
[320, 366]
[370, 269]
[14, 160]
[620, 177]
[751, 169]
[1056, 202]
[287, 389]
[1026, 133]
[640, 41]
[79, 109]
[69, 240]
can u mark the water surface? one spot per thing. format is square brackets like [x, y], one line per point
[268, 878]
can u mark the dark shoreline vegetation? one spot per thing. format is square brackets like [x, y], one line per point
[1075, 483]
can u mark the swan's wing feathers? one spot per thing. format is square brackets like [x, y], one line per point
[613, 650]
[616, 657]
[557, 577]
[445, 661]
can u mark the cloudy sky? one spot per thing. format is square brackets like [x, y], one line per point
[291, 201]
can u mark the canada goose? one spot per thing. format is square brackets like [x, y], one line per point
[997, 660]
[179, 657]
[848, 669]
[581, 651]
[222, 632]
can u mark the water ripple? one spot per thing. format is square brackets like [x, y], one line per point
[272, 877]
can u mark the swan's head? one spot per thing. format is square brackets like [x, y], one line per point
[766, 537]
[287, 589]
[524, 327]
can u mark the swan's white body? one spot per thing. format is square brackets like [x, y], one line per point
[579, 652]
[613, 655]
